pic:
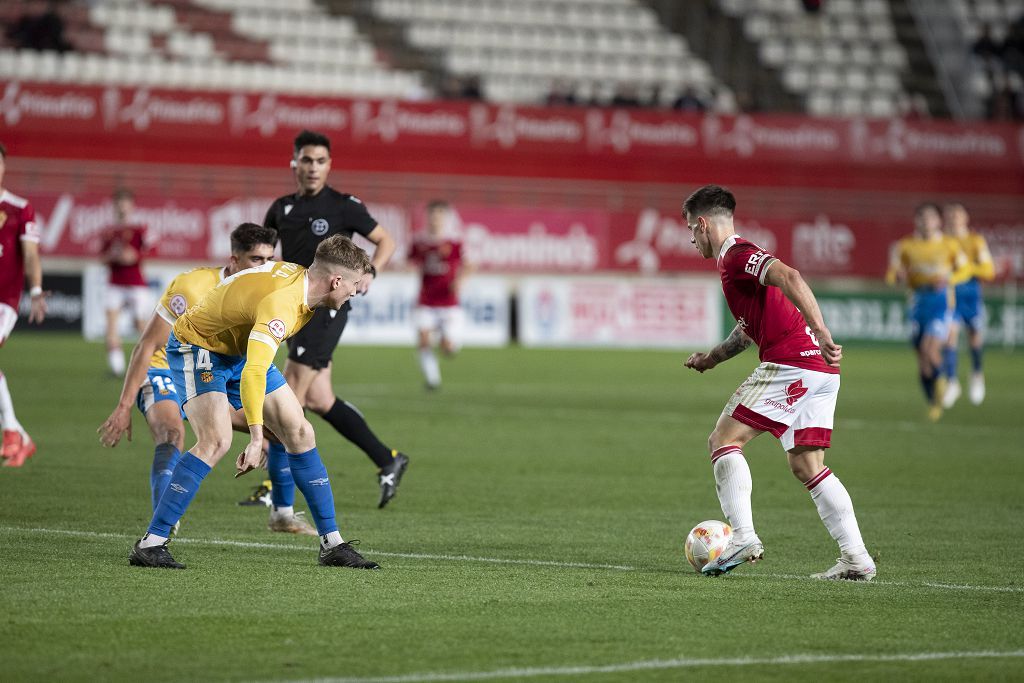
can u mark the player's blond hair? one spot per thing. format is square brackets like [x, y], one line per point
[339, 251]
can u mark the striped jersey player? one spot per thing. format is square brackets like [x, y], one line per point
[235, 331]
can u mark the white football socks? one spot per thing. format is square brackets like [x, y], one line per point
[7, 418]
[836, 511]
[150, 540]
[429, 366]
[733, 482]
[331, 539]
[115, 359]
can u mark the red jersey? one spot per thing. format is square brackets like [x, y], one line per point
[17, 225]
[763, 312]
[439, 264]
[117, 238]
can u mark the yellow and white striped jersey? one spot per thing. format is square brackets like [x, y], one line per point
[927, 262]
[979, 258]
[185, 290]
[249, 314]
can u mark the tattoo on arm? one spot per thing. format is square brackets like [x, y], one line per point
[736, 342]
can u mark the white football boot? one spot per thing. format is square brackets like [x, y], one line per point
[847, 570]
[733, 556]
[952, 393]
[291, 524]
[977, 388]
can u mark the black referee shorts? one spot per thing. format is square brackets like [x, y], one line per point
[315, 343]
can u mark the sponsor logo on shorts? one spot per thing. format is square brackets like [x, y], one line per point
[206, 376]
[320, 227]
[780, 405]
[276, 328]
[178, 304]
[794, 391]
[322, 481]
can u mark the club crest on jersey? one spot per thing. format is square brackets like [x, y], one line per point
[178, 304]
[206, 376]
[794, 391]
[3, 219]
[276, 328]
[319, 227]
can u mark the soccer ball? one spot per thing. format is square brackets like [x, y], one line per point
[706, 542]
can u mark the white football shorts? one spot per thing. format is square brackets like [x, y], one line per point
[797, 406]
[136, 298]
[446, 320]
[8, 317]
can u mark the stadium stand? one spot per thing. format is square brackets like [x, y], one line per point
[871, 58]
[209, 44]
[522, 51]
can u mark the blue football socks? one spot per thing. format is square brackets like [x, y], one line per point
[165, 458]
[181, 489]
[282, 492]
[311, 477]
[976, 359]
[949, 360]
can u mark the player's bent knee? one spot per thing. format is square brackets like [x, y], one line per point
[298, 438]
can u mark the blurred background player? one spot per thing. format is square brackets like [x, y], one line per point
[234, 332]
[928, 263]
[19, 257]
[303, 220]
[792, 393]
[442, 269]
[969, 310]
[122, 250]
[148, 382]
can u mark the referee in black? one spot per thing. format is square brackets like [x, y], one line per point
[303, 220]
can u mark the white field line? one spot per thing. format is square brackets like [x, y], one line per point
[680, 663]
[311, 548]
[499, 560]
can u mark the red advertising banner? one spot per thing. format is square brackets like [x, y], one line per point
[236, 128]
[518, 239]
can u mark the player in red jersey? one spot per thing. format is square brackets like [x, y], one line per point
[19, 256]
[792, 393]
[437, 310]
[123, 246]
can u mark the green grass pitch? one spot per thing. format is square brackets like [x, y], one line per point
[538, 532]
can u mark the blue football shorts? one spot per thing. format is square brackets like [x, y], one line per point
[197, 371]
[159, 386]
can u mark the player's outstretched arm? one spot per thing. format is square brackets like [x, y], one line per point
[799, 293]
[259, 355]
[386, 246]
[735, 343]
[120, 421]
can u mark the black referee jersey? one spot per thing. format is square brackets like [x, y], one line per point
[303, 222]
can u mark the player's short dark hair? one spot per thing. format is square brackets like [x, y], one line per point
[338, 250]
[247, 235]
[3, 151]
[710, 200]
[310, 137]
[438, 204]
[123, 193]
[924, 206]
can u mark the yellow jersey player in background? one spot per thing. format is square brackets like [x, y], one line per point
[970, 308]
[148, 383]
[928, 264]
[235, 332]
